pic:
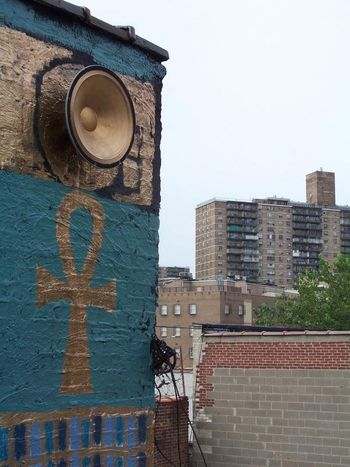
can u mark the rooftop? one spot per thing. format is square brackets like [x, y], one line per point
[124, 33]
[237, 330]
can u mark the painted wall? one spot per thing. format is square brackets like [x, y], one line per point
[79, 253]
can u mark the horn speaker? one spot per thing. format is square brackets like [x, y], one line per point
[100, 116]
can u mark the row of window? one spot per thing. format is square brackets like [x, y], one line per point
[192, 309]
[227, 309]
[176, 332]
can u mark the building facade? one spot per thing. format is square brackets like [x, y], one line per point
[184, 302]
[320, 188]
[79, 243]
[271, 240]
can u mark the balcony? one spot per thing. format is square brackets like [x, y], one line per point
[307, 240]
[307, 226]
[250, 259]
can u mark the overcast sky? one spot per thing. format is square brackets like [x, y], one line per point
[257, 95]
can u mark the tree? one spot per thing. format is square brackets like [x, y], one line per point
[323, 300]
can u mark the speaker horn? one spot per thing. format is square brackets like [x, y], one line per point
[100, 116]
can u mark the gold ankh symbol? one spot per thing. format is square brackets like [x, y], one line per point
[76, 289]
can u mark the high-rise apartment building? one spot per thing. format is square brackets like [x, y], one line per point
[271, 240]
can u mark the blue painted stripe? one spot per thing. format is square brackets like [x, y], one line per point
[74, 434]
[50, 464]
[120, 461]
[131, 432]
[97, 461]
[109, 461]
[97, 429]
[49, 437]
[3, 444]
[142, 458]
[62, 431]
[62, 463]
[20, 441]
[108, 431]
[75, 461]
[119, 430]
[142, 428]
[86, 461]
[35, 440]
[132, 461]
[85, 433]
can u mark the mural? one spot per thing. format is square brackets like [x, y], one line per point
[78, 438]
[75, 326]
[79, 250]
[34, 79]
[76, 288]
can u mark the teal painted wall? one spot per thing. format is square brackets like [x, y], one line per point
[68, 32]
[33, 340]
[114, 418]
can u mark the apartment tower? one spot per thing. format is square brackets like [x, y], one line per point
[271, 240]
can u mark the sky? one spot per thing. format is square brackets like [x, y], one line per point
[257, 95]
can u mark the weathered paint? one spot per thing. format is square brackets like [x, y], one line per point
[34, 80]
[33, 340]
[79, 255]
[40, 22]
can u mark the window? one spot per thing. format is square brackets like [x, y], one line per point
[193, 309]
[227, 309]
[163, 310]
[177, 309]
[163, 332]
[177, 332]
[191, 352]
[191, 332]
[241, 310]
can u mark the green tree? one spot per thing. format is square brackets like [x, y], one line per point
[323, 300]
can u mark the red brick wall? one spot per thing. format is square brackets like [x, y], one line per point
[171, 414]
[328, 355]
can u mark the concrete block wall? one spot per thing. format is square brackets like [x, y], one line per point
[274, 400]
